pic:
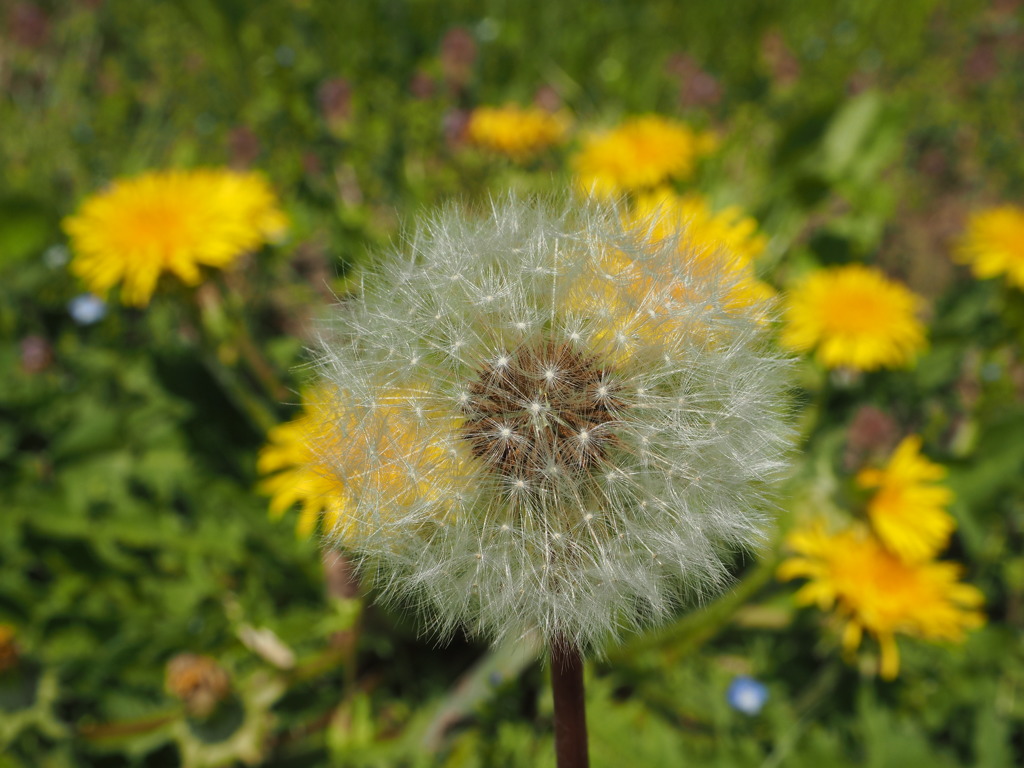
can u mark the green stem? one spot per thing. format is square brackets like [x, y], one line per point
[220, 332]
[805, 707]
[224, 323]
[697, 627]
[240, 335]
[478, 684]
[260, 416]
[342, 583]
[258, 364]
[120, 729]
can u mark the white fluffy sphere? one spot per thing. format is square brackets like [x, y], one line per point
[547, 421]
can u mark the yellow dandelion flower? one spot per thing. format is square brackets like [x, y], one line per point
[518, 132]
[393, 446]
[725, 241]
[169, 222]
[873, 590]
[289, 462]
[254, 203]
[856, 317]
[641, 154]
[705, 229]
[628, 300]
[403, 445]
[908, 510]
[994, 244]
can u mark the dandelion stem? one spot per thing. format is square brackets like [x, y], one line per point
[342, 584]
[570, 706]
[224, 317]
[260, 416]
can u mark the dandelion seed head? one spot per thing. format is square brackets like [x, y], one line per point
[547, 477]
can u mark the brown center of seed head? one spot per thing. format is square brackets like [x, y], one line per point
[541, 414]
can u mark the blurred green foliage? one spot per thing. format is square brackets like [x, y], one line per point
[131, 532]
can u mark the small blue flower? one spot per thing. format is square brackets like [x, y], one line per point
[87, 308]
[746, 695]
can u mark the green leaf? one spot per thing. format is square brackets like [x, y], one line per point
[26, 226]
[992, 738]
[848, 132]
